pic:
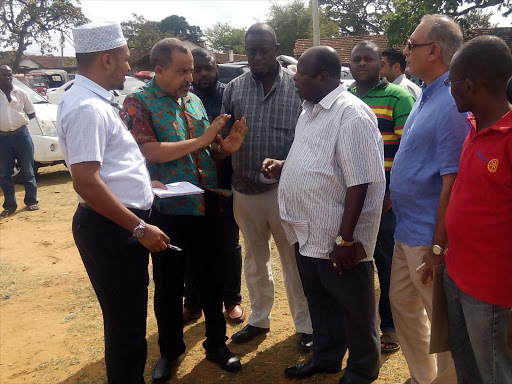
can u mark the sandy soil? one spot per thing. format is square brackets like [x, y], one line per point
[51, 325]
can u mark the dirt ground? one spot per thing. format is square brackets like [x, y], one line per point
[51, 327]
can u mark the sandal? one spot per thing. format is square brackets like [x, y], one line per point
[7, 212]
[33, 207]
[389, 342]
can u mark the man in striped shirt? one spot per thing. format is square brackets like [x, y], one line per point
[392, 105]
[330, 201]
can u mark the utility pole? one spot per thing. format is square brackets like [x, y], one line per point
[316, 23]
[62, 45]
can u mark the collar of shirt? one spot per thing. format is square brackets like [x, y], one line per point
[429, 90]
[383, 83]
[399, 79]
[94, 87]
[326, 103]
[502, 125]
[276, 81]
[159, 92]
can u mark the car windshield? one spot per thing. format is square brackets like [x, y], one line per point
[35, 97]
[130, 85]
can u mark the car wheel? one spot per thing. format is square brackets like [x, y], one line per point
[16, 174]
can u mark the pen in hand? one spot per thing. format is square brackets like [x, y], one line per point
[170, 246]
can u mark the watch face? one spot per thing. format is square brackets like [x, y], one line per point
[437, 250]
[138, 232]
[338, 240]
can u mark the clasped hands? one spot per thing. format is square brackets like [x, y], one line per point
[235, 138]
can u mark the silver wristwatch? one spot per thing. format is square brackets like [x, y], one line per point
[437, 250]
[139, 230]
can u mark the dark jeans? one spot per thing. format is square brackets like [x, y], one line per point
[383, 256]
[117, 265]
[231, 264]
[17, 147]
[342, 309]
[196, 235]
[478, 338]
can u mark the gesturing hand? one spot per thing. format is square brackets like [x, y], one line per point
[271, 168]
[235, 138]
[211, 133]
[343, 258]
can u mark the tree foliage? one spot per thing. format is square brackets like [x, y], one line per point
[178, 26]
[294, 21]
[24, 22]
[141, 34]
[469, 14]
[221, 35]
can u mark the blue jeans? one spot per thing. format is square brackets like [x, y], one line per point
[21, 148]
[478, 338]
[383, 256]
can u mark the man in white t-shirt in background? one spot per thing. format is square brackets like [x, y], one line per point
[15, 143]
[330, 201]
[393, 69]
[114, 190]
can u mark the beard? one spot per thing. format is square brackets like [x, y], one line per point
[210, 86]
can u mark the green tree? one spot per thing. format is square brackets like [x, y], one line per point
[407, 14]
[178, 26]
[294, 21]
[24, 22]
[221, 35]
[141, 34]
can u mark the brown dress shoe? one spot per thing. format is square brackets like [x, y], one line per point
[189, 316]
[235, 314]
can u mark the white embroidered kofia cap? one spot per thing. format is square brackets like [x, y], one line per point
[97, 37]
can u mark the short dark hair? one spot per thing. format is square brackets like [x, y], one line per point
[368, 44]
[488, 59]
[201, 53]
[262, 29]
[324, 58]
[162, 51]
[86, 59]
[395, 56]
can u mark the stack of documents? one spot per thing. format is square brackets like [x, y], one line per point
[181, 188]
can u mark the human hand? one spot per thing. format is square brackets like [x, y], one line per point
[158, 184]
[210, 134]
[235, 138]
[343, 258]
[271, 168]
[430, 261]
[154, 239]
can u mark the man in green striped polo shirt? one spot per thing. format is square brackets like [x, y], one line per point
[392, 105]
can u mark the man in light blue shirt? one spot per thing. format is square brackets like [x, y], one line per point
[422, 177]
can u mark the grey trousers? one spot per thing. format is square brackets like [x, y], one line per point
[343, 315]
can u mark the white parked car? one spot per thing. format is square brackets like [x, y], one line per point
[130, 85]
[43, 131]
[346, 76]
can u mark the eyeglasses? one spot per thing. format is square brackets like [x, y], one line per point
[411, 45]
[447, 81]
[123, 113]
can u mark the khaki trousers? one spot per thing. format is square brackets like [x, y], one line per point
[411, 304]
[258, 218]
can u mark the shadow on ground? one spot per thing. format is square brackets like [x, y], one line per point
[264, 367]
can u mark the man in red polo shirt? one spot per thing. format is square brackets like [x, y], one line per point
[478, 277]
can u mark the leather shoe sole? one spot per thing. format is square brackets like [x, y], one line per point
[248, 333]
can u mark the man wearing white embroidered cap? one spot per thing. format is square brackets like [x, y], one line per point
[114, 192]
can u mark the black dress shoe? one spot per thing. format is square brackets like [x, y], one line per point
[163, 370]
[344, 380]
[225, 358]
[307, 369]
[248, 333]
[305, 341]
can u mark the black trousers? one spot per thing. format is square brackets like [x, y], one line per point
[230, 263]
[196, 235]
[117, 265]
[343, 315]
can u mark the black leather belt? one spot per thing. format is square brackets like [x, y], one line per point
[11, 133]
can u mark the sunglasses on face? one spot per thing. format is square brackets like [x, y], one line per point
[411, 45]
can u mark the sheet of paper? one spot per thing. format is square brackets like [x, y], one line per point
[181, 188]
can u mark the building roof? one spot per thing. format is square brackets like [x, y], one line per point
[223, 57]
[50, 61]
[344, 44]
